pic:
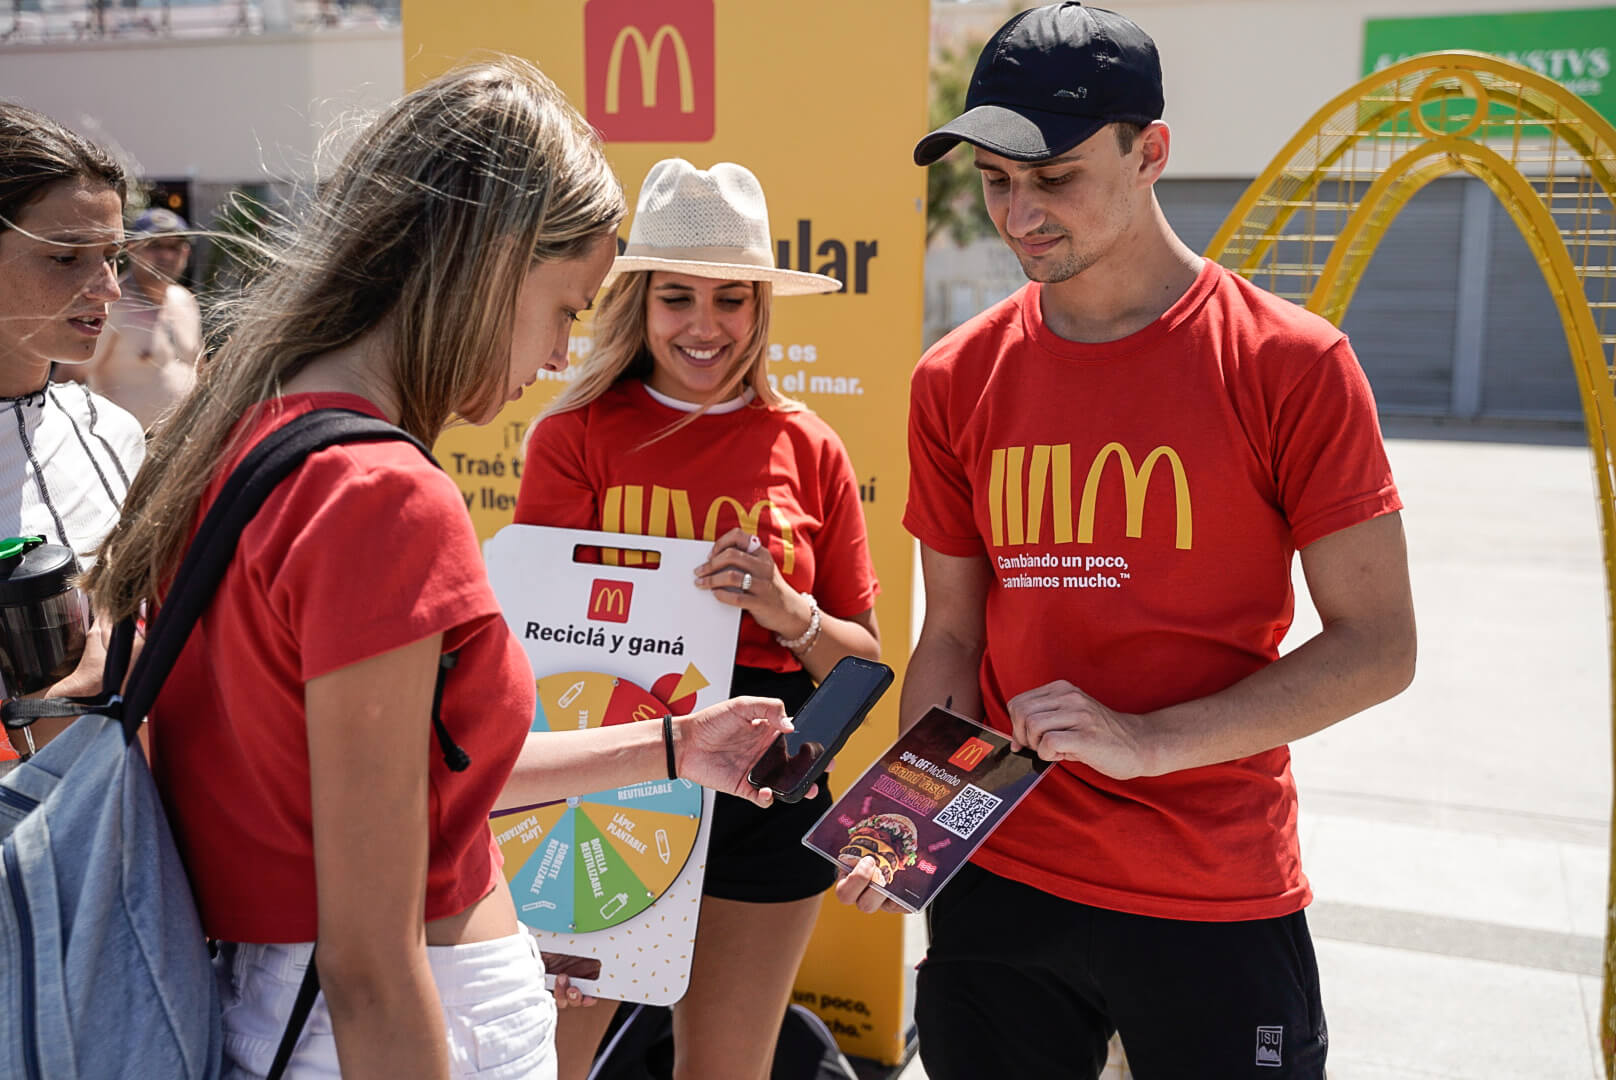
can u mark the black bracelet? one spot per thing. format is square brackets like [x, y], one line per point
[667, 744]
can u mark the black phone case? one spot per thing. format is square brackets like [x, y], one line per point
[834, 747]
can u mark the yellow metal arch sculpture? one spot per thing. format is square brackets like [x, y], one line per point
[1309, 225]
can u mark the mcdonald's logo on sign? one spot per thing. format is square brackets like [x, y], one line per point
[609, 600]
[648, 70]
[970, 753]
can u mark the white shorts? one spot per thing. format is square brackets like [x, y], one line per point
[499, 1017]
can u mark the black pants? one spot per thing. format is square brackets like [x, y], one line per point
[1021, 983]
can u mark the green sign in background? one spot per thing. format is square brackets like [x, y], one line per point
[1576, 48]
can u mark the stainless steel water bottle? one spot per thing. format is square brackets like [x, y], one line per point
[42, 616]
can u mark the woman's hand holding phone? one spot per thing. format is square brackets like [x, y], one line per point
[716, 746]
[793, 763]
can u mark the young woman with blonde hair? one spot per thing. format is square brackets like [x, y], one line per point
[437, 271]
[673, 428]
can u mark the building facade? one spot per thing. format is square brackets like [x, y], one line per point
[1451, 319]
[206, 100]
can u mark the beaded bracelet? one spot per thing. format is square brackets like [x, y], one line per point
[810, 636]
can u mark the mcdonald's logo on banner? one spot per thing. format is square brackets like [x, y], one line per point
[648, 70]
[970, 753]
[609, 600]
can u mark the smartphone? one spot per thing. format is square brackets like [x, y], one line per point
[832, 712]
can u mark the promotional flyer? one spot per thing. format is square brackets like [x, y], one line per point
[926, 804]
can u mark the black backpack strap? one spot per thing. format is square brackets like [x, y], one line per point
[203, 567]
[307, 991]
[214, 545]
[18, 713]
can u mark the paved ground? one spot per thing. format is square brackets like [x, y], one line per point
[1457, 838]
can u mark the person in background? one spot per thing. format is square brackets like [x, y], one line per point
[147, 355]
[673, 426]
[67, 455]
[310, 744]
[1171, 436]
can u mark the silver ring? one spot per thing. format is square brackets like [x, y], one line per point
[746, 582]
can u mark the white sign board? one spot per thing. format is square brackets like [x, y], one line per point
[614, 875]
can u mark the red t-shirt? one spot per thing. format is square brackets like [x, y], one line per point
[1140, 502]
[363, 549]
[783, 476]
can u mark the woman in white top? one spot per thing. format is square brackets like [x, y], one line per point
[66, 455]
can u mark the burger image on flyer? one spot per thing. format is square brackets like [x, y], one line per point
[891, 838]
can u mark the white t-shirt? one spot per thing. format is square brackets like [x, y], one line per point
[66, 459]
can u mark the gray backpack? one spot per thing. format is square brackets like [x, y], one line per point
[104, 972]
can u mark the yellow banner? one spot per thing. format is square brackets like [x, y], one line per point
[823, 102]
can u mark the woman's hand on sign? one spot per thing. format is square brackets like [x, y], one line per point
[562, 966]
[740, 571]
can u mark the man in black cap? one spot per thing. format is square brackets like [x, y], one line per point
[1111, 472]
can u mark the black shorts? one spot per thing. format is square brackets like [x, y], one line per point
[1021, 983]
[755, 854]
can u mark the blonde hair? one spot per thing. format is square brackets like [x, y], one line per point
[426, 229]
[620, 352]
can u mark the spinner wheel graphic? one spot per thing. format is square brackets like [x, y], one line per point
[590, 862]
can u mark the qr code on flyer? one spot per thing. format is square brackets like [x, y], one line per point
[966, 812]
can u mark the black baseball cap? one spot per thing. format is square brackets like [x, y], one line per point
[1050, 78]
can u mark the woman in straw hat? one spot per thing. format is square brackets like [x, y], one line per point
[315, 784]
[675, 402]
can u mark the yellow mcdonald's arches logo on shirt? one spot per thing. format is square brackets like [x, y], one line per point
[751, 521]
[1024, 480]
[650, 57]
[625, 510]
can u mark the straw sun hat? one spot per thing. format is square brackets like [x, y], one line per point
[709, 223]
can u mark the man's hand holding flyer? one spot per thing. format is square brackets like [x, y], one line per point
[926, 805]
